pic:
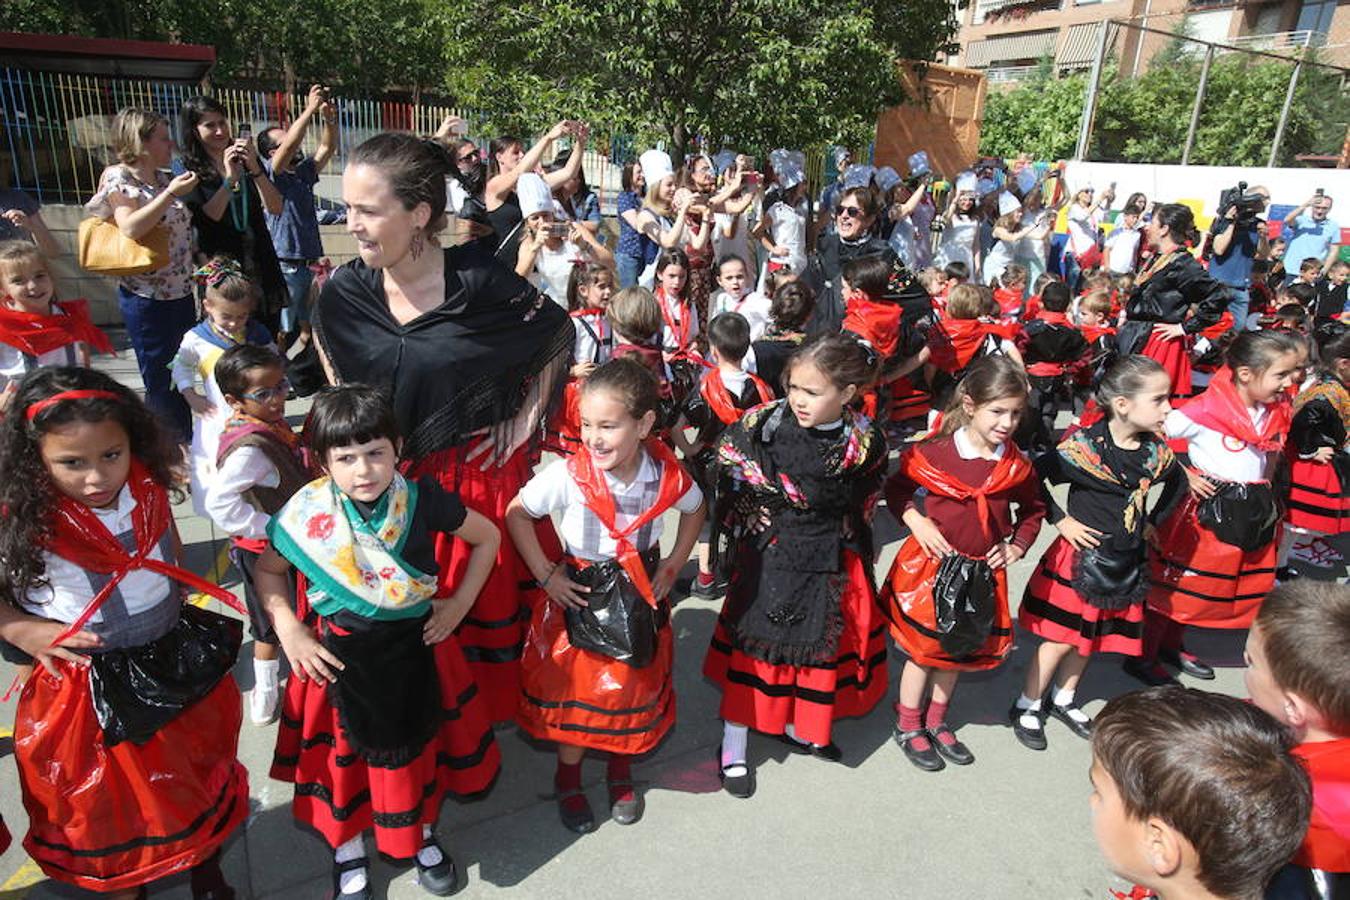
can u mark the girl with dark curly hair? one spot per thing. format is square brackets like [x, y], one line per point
[126, 751]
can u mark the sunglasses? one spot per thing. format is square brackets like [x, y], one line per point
[468, 157]
[850, 212]
[267, 395]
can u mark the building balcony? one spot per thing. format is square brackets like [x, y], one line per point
[1011, 10]
[1280, 41]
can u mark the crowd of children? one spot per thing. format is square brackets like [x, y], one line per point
[1197, 452]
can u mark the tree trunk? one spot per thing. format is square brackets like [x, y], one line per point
[679, 137]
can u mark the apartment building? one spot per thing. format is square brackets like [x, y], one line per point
[1009, 38]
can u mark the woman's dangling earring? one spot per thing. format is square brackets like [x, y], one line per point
[416, 247]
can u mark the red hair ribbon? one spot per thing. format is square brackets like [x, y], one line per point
[35, 409]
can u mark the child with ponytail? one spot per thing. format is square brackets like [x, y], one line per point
[947, 591]
[589, 288]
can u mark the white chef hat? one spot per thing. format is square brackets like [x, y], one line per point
[1007, 203]
[724, 160]
[789, 166]
[967, 181]
[655, 165]
[534, 196]
[1026, 179]
[918, 163]
[886, 178]
[858, 175]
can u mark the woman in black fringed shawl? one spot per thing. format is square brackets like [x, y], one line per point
[472, 357]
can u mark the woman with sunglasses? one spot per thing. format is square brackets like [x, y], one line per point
[855, 213]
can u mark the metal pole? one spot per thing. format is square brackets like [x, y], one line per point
[1195, 110]
[1094, 84]
[1284, 113]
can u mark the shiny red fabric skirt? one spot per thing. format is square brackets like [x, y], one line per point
[907, 597]
[588, 699]
[492, 635]
[340, 796]
[111, 818]
[1318, 501]
[1173, 355]
[1053, 610]
[770, 697]
[1199, 580]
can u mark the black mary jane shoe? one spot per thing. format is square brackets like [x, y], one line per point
[829, 752]
[626, 812]
[796, 746]
[1188, 664]
[956, 752]
[927, 760]
[578, 821]
[1031, 738]
[1077, 726]
[442, 879]
[1150, 674]
[740, 786]
[351, 865]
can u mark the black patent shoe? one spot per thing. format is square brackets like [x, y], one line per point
[578, 821]
[829, 752]
[1078, 727]
[442, 879]
[1188, 664]
[626, 812]
[956, 752]
[928, 760]
[351, 865]
[1150, 674]
[741, 786]
[1031, 738]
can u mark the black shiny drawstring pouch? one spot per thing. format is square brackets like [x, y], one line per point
[1242, 515]
[616, 622]
[963, 604]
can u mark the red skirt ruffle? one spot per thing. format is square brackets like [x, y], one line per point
[770, 697]
[340, 796]
[590, 700]
[562, 434]
[1051, 609]
[1317, 499]
[111, 818]
[1174, 356]
[1199, 580]
[907, 597]
[909, 401]
[493, 633]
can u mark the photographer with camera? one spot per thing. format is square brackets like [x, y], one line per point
[1237, 237]
[552, 245]
[1314, 234]
[295, 230]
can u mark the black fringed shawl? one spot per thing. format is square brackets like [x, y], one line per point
[467, 365]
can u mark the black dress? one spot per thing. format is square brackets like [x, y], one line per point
[244, 237]
[823, 273]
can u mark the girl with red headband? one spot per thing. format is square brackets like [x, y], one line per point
[947, 592]
[125, 737]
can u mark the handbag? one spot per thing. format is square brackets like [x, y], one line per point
[104, 250]
[617, 621]
[1110, 581]
[963, 604]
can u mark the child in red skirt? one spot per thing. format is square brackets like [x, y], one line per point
[588, 291]
[377, 723]
[585, 684]
[800, 641]
[947, 591]
[1215, 555]
[1319, 449]
[125, 782]
[1087, 595]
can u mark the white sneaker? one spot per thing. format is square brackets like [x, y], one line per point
[263, 703]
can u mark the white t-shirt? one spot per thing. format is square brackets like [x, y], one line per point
[553, 269]
[1218, 454]
[1122, 246]
[244, 469]
[787, 228]
[754, 306]
[552, 490]
[958, 243]
[670, 341]
[1082, 228]
[595, 339]
[738, 244]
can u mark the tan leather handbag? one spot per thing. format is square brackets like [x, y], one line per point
[105, 250]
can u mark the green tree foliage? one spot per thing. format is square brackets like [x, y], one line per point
[1145, 119]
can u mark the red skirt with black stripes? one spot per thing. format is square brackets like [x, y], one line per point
[586, 699]
[492, 635]
[340, 795]
[770, 697]
[1053, 610]
[1198, 579]
[907, 597]
[110, 818]
[1318, 500]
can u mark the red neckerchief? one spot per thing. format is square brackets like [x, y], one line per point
[955, 341]
[1010, 471]
[35, 334]
[1221, 409]
[683, 339]
[1327, 844]
[722, 402]
[1219, 328]
[1009, 300]
[599, 500]
[649, 357]
[875, 321]
[78, 536]
[587, 312]
[1094, 333]
[1054, 318]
